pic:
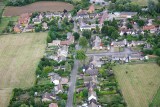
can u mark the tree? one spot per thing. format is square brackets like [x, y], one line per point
[140, 23]
[114, 35]
[24, 105]
[158, 61]
[129, 25]
[80, 55]
[104, 30]
[47, 69]
[49, 39]
[83, 42]
[76, 35]
[67, 66]
[87, 34]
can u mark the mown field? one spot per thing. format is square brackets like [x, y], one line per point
[139, 84]
[19, 56]
[142, 2]
[42, 6]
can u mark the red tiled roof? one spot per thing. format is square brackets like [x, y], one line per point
[91, 8]
[149, 27]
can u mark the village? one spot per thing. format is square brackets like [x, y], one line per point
[103, 38]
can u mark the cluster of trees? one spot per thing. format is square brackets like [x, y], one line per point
[110, 29]
[153, 7]
[124, 5]
[59, 30]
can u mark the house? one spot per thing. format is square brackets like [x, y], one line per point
[54, 43]
[36, 20]
[92, 72]
[82, 14]
[124, 15]
[63, 51]
[49, 15]
[18, 28]
[88, 79]
[44, 26]
[95, 60]
[55, 78]
[53, 105]
[64, 80]
[29, 28]
[93, 105]
[58, 14]
[69, 41]
[135, 43]
[92, 96]
[91, 9]
[104, 17]
[151, 28]
[119, 43]
[48, 97]
[58, 89]
[24, 18]
[97, 43]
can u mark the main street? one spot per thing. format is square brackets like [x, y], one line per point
[72, 84]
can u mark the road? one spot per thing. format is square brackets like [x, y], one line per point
[72, 84]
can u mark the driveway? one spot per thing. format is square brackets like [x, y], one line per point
[72, 84]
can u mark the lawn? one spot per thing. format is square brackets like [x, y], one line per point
[156, 100]
[140, 84]
[19, 56]
[5, 21]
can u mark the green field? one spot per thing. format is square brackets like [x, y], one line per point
[139, 84]
[156, 100]
[5, 21]
[19, 56]
[142, 2]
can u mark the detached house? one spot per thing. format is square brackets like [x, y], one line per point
[55, 78]
[92, 96]
[97, 43]
[58, 89]
[47, 97]
[82, 14]
[151, 28]
[18, 28]
[69, 41]
[119, 43]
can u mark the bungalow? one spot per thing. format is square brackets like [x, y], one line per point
[55, 78]
[48, 97]
[97, 43]
[58, 89]
[24, 18]
[53, 105]
[119, 43]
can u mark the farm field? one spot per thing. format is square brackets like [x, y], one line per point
[19, 55]
[42, 6]
[139, 84]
